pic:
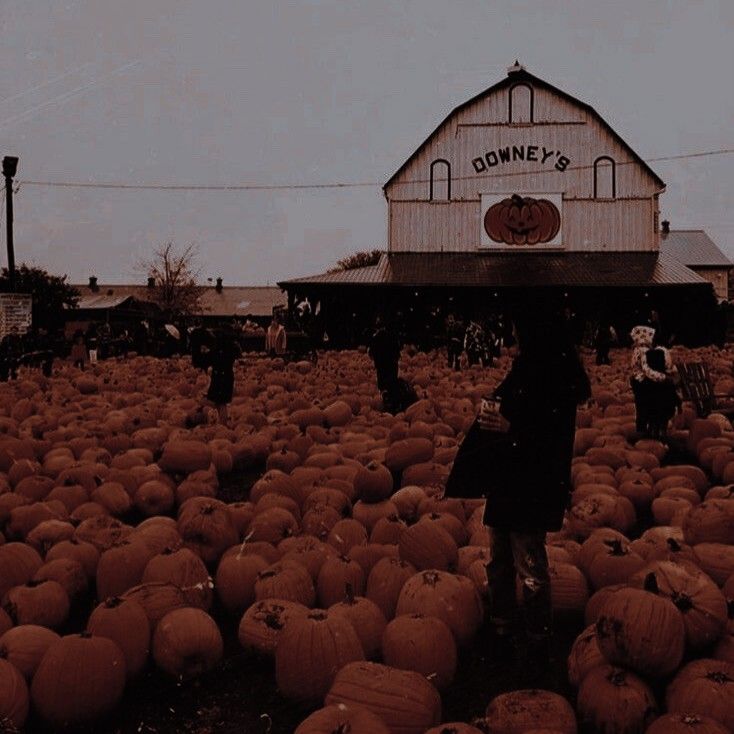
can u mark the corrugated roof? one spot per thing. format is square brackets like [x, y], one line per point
[230, 301]
[694, 248]
[102, 301]
[520, 76]
[509, 270]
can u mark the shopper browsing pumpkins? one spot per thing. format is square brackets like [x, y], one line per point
[529, 488]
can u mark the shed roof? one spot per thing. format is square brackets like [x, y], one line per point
[509, 270]
[521, 75]
[230, 301]
[694, 248]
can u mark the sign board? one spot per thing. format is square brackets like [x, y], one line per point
[15, 312]
[521, 221]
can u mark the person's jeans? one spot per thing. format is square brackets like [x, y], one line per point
[524, 555]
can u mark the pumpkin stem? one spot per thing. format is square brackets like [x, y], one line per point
[617, 678]
[719, 676]
[674, 545]
[615, 547]
[517, 200]
[651, 584]
[350, 593]
[113, 601]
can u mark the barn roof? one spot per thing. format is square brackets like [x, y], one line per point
[694, 248]
[487, 270]
[521, 75]
[230, 301]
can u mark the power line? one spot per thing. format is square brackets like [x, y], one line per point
[344, 185]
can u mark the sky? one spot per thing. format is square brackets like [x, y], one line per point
[277, 92]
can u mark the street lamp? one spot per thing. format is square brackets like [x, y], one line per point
[10, 166]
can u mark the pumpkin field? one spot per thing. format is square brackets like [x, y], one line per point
[299, 570]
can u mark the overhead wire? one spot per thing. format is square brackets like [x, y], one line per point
[338, 185]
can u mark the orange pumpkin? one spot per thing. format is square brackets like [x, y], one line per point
[522, 220]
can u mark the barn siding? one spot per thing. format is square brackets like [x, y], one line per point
[565, 128]
[588, 225]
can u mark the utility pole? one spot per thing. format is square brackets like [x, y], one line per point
[10, 166]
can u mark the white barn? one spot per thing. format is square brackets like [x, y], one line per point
[521, 187]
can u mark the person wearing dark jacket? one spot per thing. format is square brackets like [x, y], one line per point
[222, 357]
[384, 348]
[529, 489]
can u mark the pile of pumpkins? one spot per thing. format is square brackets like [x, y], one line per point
[345, 564]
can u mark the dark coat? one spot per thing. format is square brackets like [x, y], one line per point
[529, 489]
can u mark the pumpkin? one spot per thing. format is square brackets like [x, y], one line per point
[615, 700]
[286, 580]
[341, 718]
[38, 602]
[121, 567]
[522, 220]
[641, 630]
[310, 651]
[185, 457]
[403, 699]
[18, 563]
[716, 560]
[385, 582]
[157, 599]
[306, 550]
[67, 572]
[704, 687]
[426, 545]
[366, 618]
[585, 654]
[686, 724]
[373, 482]
[235, 580]
[423, 644]
[453, 599]
[83, 553]
[80, 679]
[698, 599]
[336, 573]
[186, 643]
[186, 570]
[14, 699]
[206, 528]
[25, 645]
[518, 711]
[125, 623]
[261, 625]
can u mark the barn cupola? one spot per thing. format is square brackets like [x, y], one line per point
[515, 68]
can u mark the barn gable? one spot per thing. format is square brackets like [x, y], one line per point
[525, 137]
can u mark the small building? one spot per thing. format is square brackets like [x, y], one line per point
[521, 190]
[698, 252]
[219, 303]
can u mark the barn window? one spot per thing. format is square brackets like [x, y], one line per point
[522, 101]
[605, 184]
[440, 184]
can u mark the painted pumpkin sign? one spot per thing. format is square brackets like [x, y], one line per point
[522, 220]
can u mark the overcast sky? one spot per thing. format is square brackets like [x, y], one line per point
[320, 91]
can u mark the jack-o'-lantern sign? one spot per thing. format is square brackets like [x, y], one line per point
[522, 221]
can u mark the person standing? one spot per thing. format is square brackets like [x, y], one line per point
[642, 376]
[275, 338]
[603, 340]
[92, 343]
[79, 350]
[475, 344]
[454, 341]
[528, 493]
[222, 357]
[384, 348]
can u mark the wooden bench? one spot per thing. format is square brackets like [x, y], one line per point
[698, 388]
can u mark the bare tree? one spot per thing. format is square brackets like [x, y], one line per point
[175, 274]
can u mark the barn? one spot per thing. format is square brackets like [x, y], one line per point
[520, 191]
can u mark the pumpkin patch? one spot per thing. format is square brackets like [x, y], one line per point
[312, 536]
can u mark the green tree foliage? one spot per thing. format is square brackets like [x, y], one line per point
[175, 273]
[51, 294]
[357, 260]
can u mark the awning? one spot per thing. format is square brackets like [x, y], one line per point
[510, 270]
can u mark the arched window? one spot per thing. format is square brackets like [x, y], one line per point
[605, 183]
[522, 101]
[440, 183]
